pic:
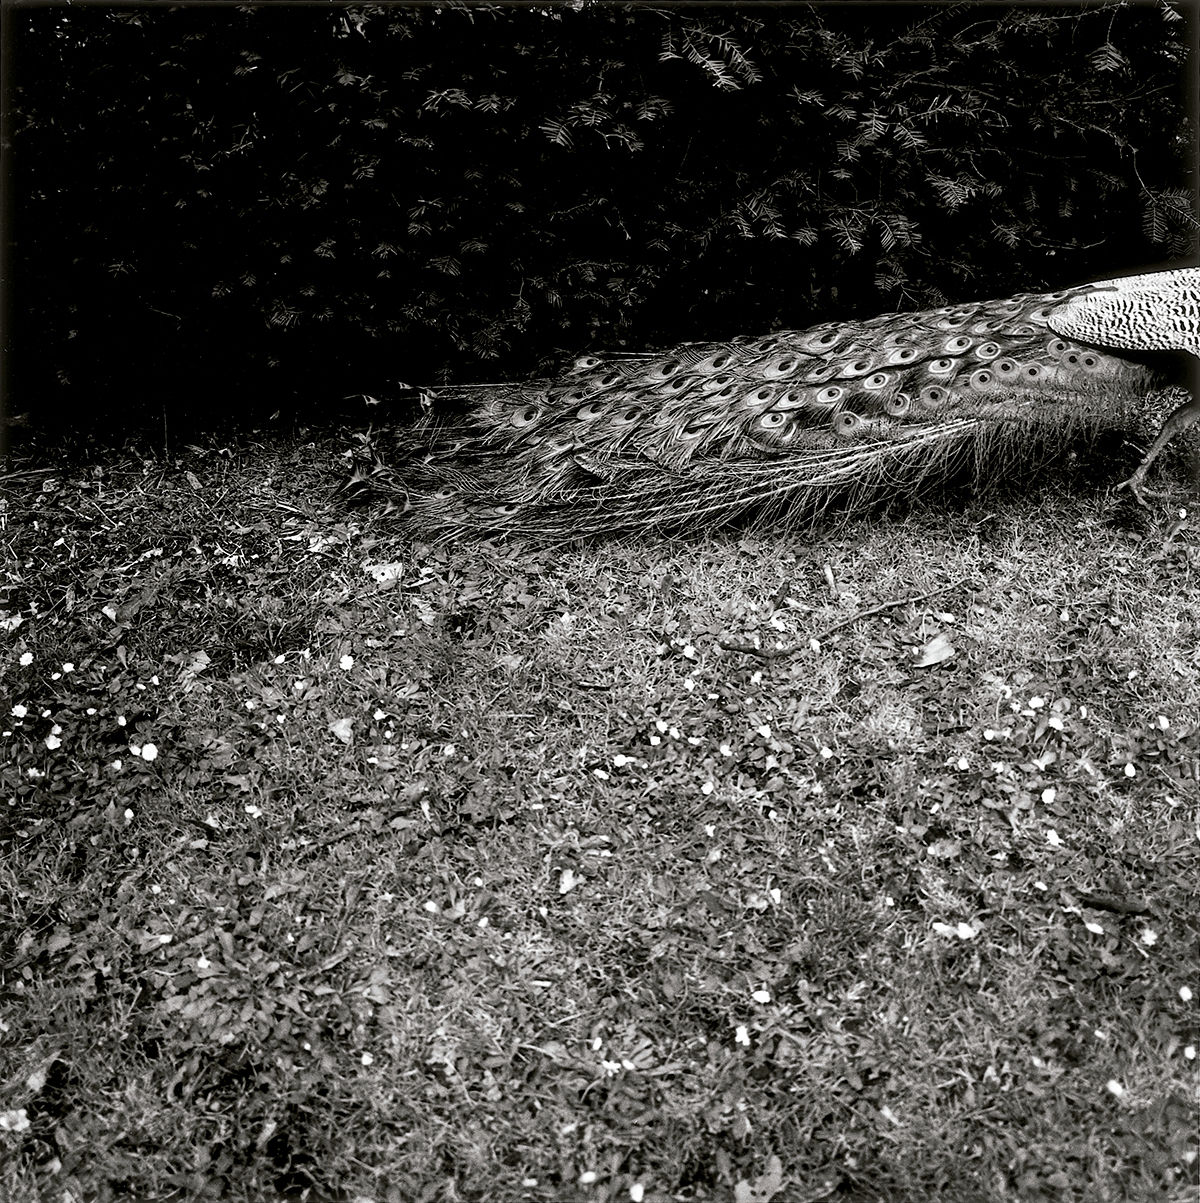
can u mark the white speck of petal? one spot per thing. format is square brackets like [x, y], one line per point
[120, 720]
[202, 962]
[165, 938]
[1114, 1088]
[19, 711]
[637, 1192]
[707, 788]
[764, 730]
[1185, 992]
[367, 1059]
[725, 750]
[255, 812]
[1049, 794]
[14, 1121]
[379, 714]
[742, 1036]
[710, 829]
[346, 663]
[620, 760]
[1164, 723]
[1083, 712]
[26, 659]
[1036, 703]
[654, 741]
[761, 996]
[117, 764]
[826, 753]
[52, 742]
[1130, 771]
[1149, 938]
[1097, 929]
[128, 816]
[68, 667]
[149, 752]
[1053, 838]
[1190, 1052]
[601, 774]
[587, 1177]
[962, 764]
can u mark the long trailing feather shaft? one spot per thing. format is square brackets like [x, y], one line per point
[784, 427]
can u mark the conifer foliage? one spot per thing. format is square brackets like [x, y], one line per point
[231, 211]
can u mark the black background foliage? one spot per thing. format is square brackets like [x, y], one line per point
[227, 212]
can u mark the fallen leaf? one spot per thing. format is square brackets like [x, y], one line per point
[939, 648]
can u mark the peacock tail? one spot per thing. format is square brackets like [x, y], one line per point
[783, 427]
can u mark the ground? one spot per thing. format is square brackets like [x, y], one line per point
[854, 866]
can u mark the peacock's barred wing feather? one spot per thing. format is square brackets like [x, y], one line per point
[785, 425]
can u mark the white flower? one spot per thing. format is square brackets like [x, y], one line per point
[52, 742]
[1053, 838]
[19, 711]
[742, 1036]
[25, 661]
[346, 663]
[761, 996]
[149, 752]
[1185, 992]
[1049, 794]
[68, 667]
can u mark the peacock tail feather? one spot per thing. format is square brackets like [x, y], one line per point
[785, 427]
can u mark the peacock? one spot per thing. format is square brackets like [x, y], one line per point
[783, 427]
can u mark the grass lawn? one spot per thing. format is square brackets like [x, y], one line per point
[338, 868]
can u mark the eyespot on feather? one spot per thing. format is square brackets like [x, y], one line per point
[781, 367]
[830, 396]
[525, 416]
[759, 397]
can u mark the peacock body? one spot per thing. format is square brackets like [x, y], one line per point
[786, 425]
